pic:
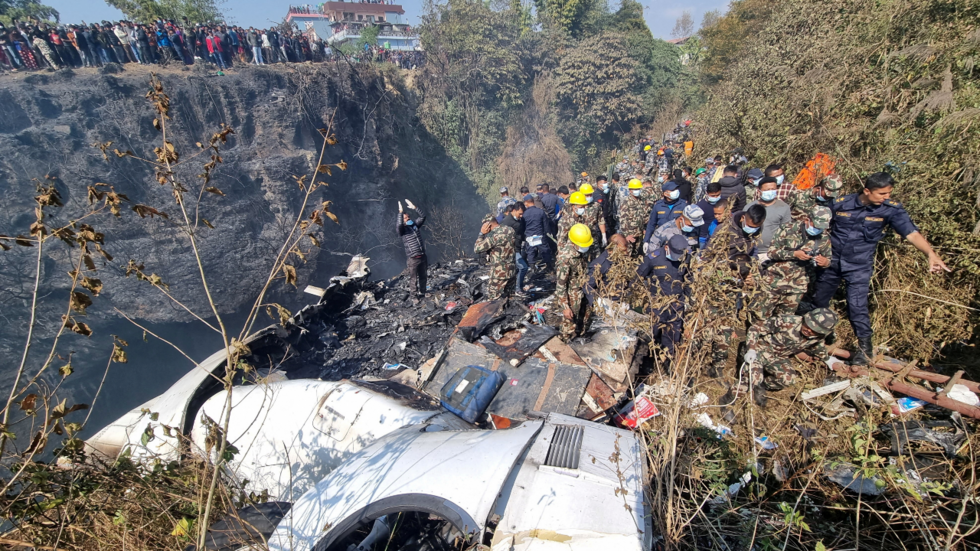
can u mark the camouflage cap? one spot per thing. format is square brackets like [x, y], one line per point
[820, 217]
[832, 183]
[821, 320]
[487, 218]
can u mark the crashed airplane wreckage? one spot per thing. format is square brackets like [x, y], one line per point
[490, 440]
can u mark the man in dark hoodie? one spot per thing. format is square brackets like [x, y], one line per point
[731, 186]
[681, 177]
[411, 233]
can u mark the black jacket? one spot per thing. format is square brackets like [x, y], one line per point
[518, 226]
[535, 222]
[412, 235]
[732, 187]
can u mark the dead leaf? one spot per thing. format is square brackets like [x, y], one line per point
[144, 211]
[118, 354]
[92, 284]
[214, 190]
[80, 301]
[206, 223]
[324, 169]
[290, 273]
[29, 403]
[332, 139]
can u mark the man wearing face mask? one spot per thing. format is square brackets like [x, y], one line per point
[665, 210]
[514, 217]
[634, 212]
[571, 274]
[578, 210]
[606, 197]
[667, 274]
[777, 214]
[859, 222]
[799, 250]
[752, 184]
[784, 190]
[741, 235]
[707, 204]
[410, 232]
[822, 194]
[687, 225]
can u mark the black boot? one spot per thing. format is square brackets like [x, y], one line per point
[759, 395]
[864, 353]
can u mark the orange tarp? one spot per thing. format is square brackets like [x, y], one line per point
[816, 169]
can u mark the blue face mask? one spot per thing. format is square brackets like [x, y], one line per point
[749, 229]
[687, 229]
[779, 180]
[410, 223]
[580, 212]
[821, 198]
[813, 231]
[713, 200]
[583, 250]
[768, 195]
[605, 188]
[637, 192]
[588, 198]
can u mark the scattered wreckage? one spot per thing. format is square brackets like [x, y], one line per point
[490, 441]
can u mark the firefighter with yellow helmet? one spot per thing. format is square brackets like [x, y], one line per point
[571, 273]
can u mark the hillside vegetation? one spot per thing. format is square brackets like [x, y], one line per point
[881, 85]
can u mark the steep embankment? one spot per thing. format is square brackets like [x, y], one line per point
[880, 85]
[50, 121]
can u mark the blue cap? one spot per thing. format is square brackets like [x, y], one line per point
[669, 186]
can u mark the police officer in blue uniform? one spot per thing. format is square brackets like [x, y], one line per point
[665, 210]
[859, 222]
[667, 271]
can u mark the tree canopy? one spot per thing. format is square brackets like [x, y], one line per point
[145, 11]
[24, 9]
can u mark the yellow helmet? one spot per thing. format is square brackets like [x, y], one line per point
[578, 198]
[647, 148]
[635, 184]
[586, 189]
[580, 235]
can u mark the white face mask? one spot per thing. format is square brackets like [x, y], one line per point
[588, 198]
[637, 192]
[749, 229]
[580, 211]
[583, 250]
[605, 188]
[779, 179]
[660, 179]
[713, 200]
[672, 195]
[768, 195]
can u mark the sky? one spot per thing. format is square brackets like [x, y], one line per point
[660, 14]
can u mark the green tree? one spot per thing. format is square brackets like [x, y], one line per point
[570, 17]
[145, 11]
[24, 9]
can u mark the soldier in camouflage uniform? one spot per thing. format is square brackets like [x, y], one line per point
[634, 213]
[591, 217]
[498, 243]
[820, 195]
[798, 250]
[772, 344]
[571, 274]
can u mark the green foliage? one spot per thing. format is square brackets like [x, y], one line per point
[569, 17]
[146, 11]
[25, 9]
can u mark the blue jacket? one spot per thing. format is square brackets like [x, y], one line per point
[662, 213]
[856, 229]
[536, 222]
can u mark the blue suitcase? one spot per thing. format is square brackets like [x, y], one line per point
[470, 391]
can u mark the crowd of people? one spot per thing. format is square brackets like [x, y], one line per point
[34, 45]
[774, 252]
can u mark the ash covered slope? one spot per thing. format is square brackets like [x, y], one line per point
[49, 121]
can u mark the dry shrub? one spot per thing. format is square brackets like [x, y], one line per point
[533, 153]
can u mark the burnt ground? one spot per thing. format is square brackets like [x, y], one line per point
[358, 329]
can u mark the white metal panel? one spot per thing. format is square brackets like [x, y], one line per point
[291, 434]
[577, 509]
[464, 468]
